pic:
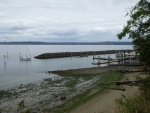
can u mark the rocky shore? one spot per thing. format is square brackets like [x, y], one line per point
[66, 87]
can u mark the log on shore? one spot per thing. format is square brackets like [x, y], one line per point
[132, 64]
[129, 83]
[81, 54]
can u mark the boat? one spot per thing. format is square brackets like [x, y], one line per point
[26, 58]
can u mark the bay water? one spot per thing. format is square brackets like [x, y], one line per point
[14, 72]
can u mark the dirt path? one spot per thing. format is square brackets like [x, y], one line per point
[105, 103]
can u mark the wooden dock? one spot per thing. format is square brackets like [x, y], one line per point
[110, 60]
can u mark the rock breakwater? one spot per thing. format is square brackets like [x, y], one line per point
[81, 54]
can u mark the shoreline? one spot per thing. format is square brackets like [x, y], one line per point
[68, 84]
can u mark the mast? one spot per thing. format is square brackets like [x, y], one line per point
[26, 52]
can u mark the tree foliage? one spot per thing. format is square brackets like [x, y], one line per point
[138, 29]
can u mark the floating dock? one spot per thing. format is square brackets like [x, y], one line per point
[110, 60]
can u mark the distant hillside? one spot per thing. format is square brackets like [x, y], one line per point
[66, 43]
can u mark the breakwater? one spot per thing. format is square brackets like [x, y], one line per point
[81, 54]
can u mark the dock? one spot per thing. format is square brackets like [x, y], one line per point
[109, 60]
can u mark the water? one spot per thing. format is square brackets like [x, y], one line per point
[14, 72]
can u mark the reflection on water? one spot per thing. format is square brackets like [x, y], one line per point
[13, 71]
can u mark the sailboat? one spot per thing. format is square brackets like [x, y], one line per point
[26, 58]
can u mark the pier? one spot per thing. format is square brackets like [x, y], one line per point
[80, 54]
[120, 60]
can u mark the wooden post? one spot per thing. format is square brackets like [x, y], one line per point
[93, 55]
[4, 57]
[71, 54]
[130, 58]
[118, 61]
[7, 54]
[98, 61]
[108, 60]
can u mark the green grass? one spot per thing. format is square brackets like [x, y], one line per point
[98, 88]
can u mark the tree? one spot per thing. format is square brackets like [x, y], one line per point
[138, 29]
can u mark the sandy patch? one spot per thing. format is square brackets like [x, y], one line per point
[105, 103]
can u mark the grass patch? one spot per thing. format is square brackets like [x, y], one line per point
[98, 88]
[71, 81]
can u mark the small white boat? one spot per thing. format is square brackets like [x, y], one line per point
[26, 58]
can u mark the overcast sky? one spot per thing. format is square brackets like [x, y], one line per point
[63, 20]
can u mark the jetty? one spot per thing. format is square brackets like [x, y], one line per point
[80, 54]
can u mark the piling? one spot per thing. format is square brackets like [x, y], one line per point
[81, 54]
[71, 54]
[7, 54]
[98, 59]
[108, 60]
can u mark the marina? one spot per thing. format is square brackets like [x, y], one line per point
[121, 58]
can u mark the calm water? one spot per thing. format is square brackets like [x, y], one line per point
[14, 72]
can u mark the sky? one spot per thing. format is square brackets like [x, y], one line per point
[63, 20]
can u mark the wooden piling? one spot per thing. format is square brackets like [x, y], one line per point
[71, 54]
[99, 59]
[108, 60]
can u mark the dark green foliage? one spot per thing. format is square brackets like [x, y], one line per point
[138, 29]
[145, 89]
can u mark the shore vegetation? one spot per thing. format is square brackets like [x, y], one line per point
[138, 103]
[138, 29]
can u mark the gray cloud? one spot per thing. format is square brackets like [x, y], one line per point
[69, 33]
[65, 20]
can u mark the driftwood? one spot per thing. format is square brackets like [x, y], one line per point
[116, 88]
[127, 71]
[129, 83]
[126, 65]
